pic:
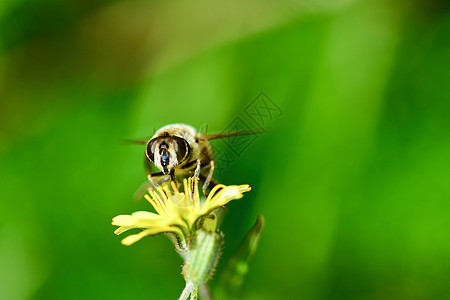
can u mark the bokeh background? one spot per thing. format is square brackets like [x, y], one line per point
[352, 174]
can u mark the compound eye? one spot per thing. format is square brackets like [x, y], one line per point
[150, 151]
[181, 147]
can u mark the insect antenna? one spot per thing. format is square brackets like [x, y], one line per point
[230, 134]
[139, 142]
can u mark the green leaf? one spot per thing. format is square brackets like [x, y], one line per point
[232, 279]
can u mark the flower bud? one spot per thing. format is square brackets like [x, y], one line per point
[203, 256]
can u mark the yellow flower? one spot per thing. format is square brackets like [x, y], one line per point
[179, 214]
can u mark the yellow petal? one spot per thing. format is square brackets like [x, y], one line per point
[131, 239]
[124, 220]
[145, 215]
[123, 229]
[180, 200]
[184, 215]
[139, 219]
[226, 195]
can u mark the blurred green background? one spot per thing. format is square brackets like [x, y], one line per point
[353, 176]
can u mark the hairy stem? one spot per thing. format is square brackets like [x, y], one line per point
[188, 289]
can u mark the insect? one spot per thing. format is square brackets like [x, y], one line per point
[177, 150]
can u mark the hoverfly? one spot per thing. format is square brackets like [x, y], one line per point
[177, 150]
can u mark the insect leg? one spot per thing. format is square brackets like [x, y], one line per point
[158, 174]
[197, 169]
[190, 164]
[149, 185]
[208, 178]
[172, 175]
[196, 174]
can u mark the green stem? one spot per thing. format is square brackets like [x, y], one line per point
[194, 294]
[188, 289]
